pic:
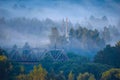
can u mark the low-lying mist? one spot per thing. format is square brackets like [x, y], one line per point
[84, 37]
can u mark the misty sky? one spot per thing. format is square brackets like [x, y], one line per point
[75, 10]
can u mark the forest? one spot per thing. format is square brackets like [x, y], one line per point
[61, 60]
[104, 66]
[59, 39]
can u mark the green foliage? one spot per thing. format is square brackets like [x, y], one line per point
[2, 52]
[86, 76]
[112, 74]
[60, 76]
[88, 37]
[38, 73]
[94, 68]
[76, 64]
[22, 69]
[51, 75]
[76, 58]
[3, 58]
[109, 55]
[22, 77]
[70, 76]
[5, 66]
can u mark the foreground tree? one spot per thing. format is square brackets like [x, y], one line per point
[38, 73]
[22, 77]
[60, 76]
[112, 74]
[86, 76]
[71, 76]
[5, 67]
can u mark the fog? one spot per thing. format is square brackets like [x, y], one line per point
[31, 21]
[77, 11]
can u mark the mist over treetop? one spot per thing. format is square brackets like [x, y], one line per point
[36, 32]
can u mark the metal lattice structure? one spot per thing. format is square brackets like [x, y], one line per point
[57, 54]
[36, 55]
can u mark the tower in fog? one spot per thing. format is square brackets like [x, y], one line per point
[66, 31]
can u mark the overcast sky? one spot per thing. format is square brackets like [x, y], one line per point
[75, 10]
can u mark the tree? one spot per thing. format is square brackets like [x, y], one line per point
[72, 32]
[60, 76]
[54, 34]
[51, 75]
[112, 74]
[106, 34]
[22, 69]
[70, 76]
[94, 68]
[22, 77]
[109, 55]
[86, 76]
[55, 37]
[118, 44]
[5, 66]
[87, 37]
[38, 73]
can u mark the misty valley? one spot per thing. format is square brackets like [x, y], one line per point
[72, 53]
[59, 40]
